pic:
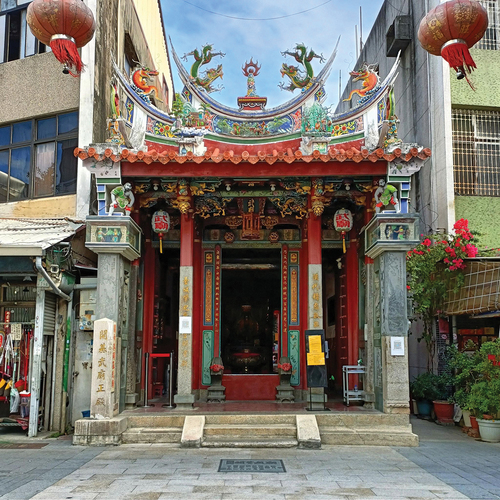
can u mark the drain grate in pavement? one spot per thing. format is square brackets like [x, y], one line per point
[20, 446]
[251, 466]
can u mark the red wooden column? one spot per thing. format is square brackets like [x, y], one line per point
[184, 397]
[352, 291]
[149, 301]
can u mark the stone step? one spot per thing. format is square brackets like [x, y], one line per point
[250, 430]
[349, 420]
[375, 436]
[137, 435]
[218, 442]
[260, 419]
[155, 421]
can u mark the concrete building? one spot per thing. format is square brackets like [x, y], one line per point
[461, 125]
[47, 275]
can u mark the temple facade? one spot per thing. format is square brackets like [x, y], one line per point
[252, 246]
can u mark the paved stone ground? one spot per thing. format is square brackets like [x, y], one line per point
[448, 465]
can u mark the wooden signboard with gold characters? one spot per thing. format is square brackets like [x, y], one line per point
[315, 358]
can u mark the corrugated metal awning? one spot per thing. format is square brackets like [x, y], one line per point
[30, 237]
[480, 292]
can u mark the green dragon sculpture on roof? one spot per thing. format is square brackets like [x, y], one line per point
[206, 78]
[299, 78]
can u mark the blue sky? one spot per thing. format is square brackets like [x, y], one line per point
[190, 27]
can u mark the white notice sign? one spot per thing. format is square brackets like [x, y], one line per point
[397, 346]
[185, 324]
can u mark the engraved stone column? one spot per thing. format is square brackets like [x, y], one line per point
[115, 239]
[185, 397]
[394, 323]
[388, 237]
[102, 399]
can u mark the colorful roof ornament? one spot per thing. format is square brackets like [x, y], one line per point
[371, 82]
[251, 101]
[300, 78]
[205, 79]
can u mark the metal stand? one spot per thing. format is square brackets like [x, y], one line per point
[146, 379]
[170, 383]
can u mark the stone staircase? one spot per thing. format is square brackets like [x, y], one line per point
[250, 431]
[379, 429]
[153, 429]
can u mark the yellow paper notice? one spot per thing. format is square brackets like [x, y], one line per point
[315, 344]
[314, 359]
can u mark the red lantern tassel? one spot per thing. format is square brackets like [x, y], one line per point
[65, 51]
[456, 53]
[343, 241]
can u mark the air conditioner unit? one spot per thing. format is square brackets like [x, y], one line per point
[398, 36]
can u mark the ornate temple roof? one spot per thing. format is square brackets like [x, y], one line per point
[216, 156]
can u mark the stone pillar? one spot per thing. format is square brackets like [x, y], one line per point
[394, 323]
[185, 397]
[132, 396]
[369, 387]
[388, 237]
[113, 301]
[104, 365]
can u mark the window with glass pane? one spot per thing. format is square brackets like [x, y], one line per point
[4, 136]
[20, 161]
[44, 169]
[66, 166]
[4, 175]
[68, 123]
[21, 132]
[36, 158]
[16, 39]
[46, 129]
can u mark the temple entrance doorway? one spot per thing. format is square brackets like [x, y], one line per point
[250, 318]
[335, 316]
[165, 321]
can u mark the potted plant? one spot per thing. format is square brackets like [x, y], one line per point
[426, 388]
[444, 407]
[484, 396]
[463, 364]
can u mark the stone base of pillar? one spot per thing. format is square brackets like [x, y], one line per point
[284, 392]
[184, 401]
[131, 399]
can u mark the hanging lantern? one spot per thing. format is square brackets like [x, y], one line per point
[65, 25]
[343, 221]
[451, 29]
[161, 224]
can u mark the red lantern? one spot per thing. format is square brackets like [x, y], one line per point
[343, 222]
[65, 25]
[161, 225]
[451, 29]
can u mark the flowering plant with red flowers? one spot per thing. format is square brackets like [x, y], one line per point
[286, 367]
[435, 267]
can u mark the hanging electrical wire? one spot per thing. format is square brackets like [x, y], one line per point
[256, 19]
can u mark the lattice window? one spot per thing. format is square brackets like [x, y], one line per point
[491, 39]
[476, 152]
